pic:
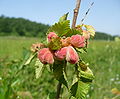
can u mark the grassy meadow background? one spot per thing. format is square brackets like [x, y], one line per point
[16, 37]
[103, 57]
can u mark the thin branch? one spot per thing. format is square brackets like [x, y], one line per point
[76, 10]
[86, 13]
[60, 84]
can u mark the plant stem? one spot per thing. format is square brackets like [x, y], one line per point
[60, 84]
[76, 10]
[58, 90]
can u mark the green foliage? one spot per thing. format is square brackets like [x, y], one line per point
[55, 44]
[86, 75]
[11, 47]
[117, 39]
[64, 17]
[38, 68]
[80, 89]
[104, 60]
[21, 27]
[81, 50]
[6, 90]
[81, 86]
[59, 72]
[32, 55]
[58, 68]
[60, 28]
[73, 32]
[103, 36]
[51, 95]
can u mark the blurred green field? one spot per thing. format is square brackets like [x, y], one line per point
[13, 46]
[103, 57]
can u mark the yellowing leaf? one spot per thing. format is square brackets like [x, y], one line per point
[115, 91]
[79, 27]
[90, 29]
[55, 44]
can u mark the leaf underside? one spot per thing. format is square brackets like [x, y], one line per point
[28, 61]
[59, 73]
[38, 68]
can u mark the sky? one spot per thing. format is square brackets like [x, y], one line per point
[104, 15]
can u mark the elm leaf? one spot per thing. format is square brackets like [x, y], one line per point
[72, 32]
[87, 75]
[60, 28]
[90, 29]
[32, 55]
[80, 89]
[38, 68]
[59, 72]
[64, 17]
[81, 50]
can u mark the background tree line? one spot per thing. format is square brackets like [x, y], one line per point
[23, 27]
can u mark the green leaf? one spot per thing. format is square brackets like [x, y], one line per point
[75, 79]
[38, 68]
[55, 44]
[51, 95]
[64, 17]
[86, 76]
[30, 58]
[15, 83]
[72, 32]
[81, 50]
[84, 72]
[59, 72]
[80, 89]
[60, 28]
